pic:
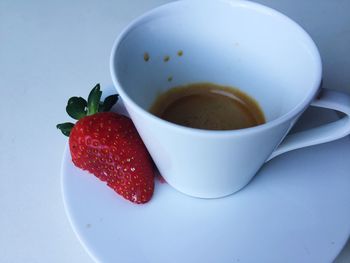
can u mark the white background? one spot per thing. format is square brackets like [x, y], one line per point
[51, 50]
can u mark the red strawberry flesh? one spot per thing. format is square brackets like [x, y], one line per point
[107, 145]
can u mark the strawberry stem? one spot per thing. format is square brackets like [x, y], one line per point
[93, 102]
[78, 108]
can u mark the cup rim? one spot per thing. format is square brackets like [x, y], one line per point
[297, 109]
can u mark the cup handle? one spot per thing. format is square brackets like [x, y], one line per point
[329, 99]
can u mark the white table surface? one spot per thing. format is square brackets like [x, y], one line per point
[51, 50]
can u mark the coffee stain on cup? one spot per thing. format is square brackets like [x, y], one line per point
[146, 56]
[166, 58]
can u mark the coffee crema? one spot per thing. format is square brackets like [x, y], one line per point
[208, 106]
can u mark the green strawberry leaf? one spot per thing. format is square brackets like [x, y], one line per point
[108, 103]
[65, 127]
[76, 107]
[100, 107]
[94, 100]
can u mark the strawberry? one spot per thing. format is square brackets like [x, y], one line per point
[107, 145]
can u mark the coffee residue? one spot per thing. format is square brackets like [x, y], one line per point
[166, 58]
[146, 56]
[208, 106]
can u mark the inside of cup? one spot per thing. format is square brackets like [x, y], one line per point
[239, 44]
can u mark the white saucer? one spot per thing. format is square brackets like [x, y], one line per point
[297, 209]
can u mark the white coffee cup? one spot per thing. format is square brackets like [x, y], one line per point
[233, 43]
